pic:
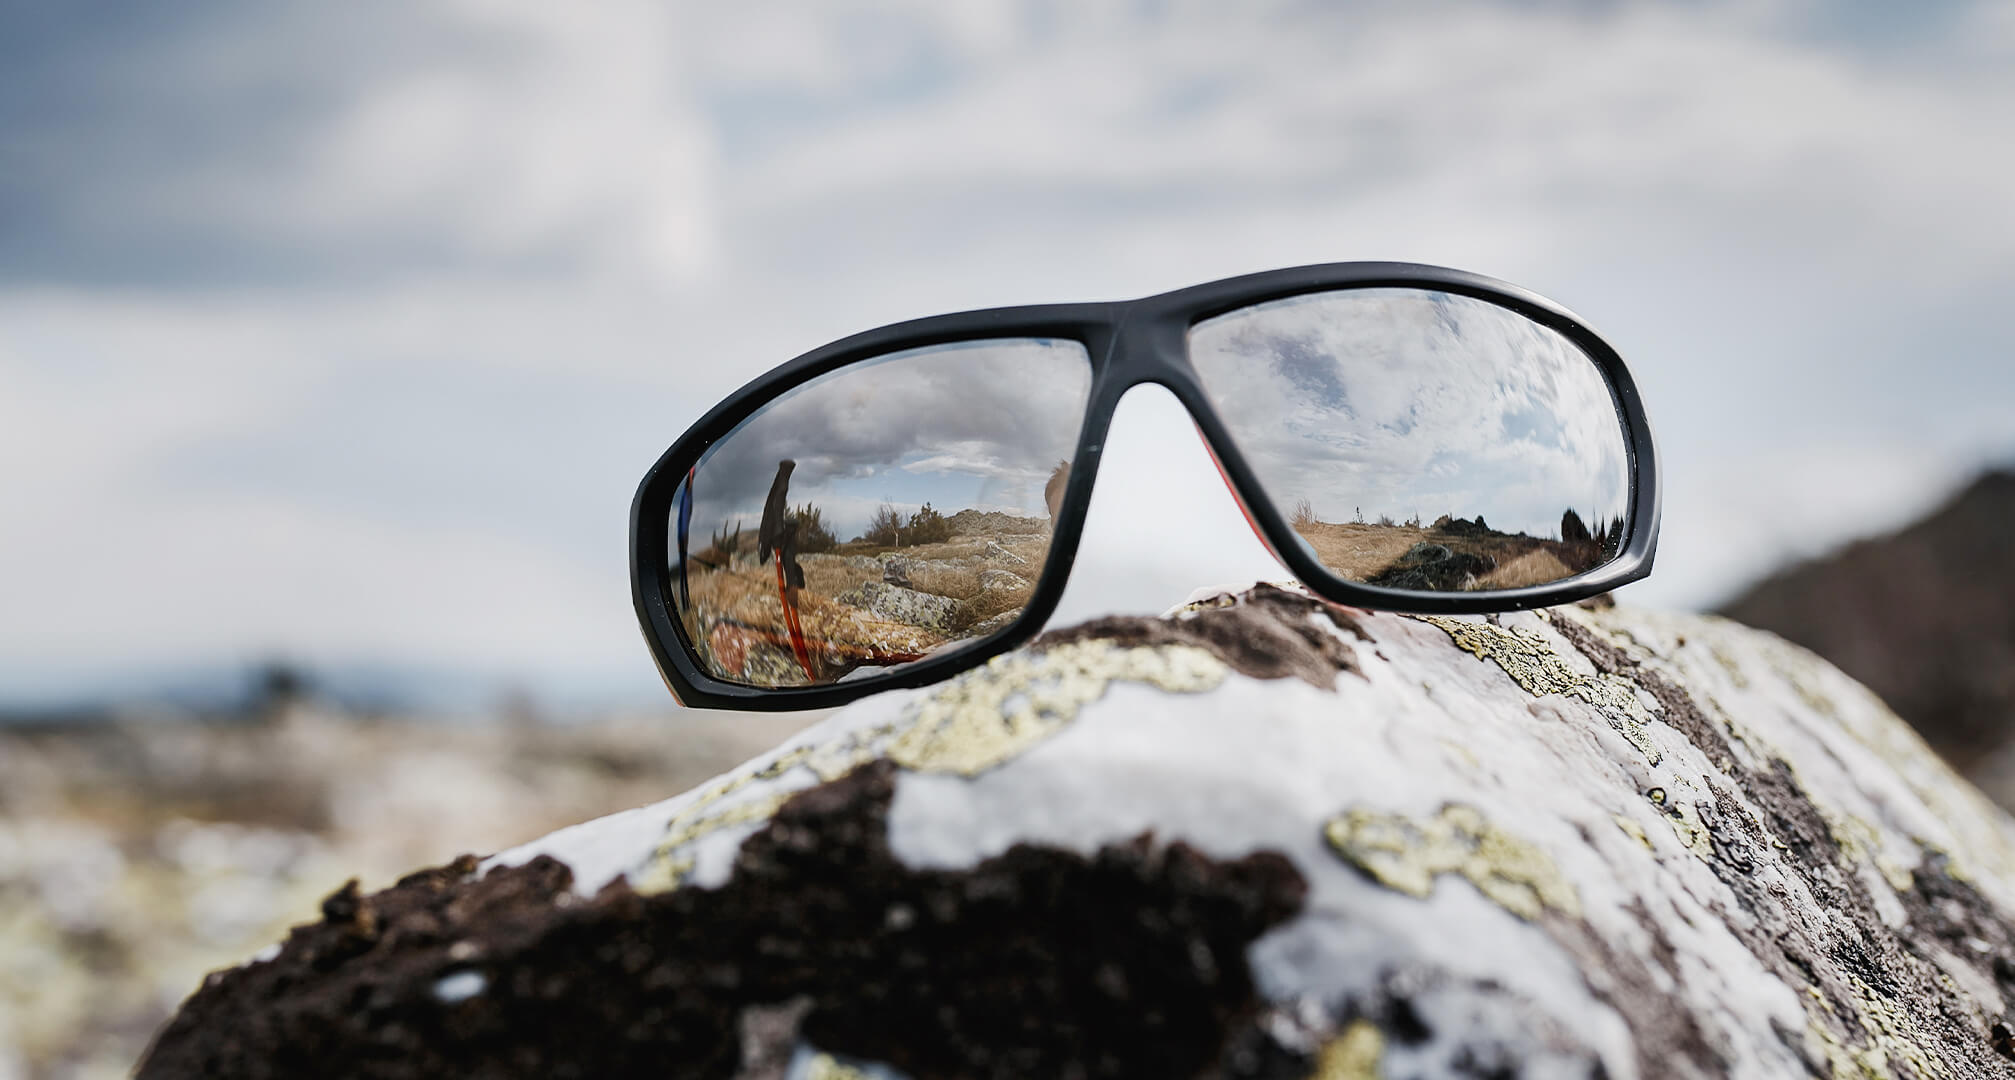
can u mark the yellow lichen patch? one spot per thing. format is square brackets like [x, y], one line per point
[988, 716]
[1407, 855]
[1353, 1055]
[826, 1067]
[1534, 665]
[1685, 822]
[1633, 830]
[1861, 842]
[1211, 603]
[664, 871]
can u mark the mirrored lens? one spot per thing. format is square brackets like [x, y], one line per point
[880, 514]
[1422, 440]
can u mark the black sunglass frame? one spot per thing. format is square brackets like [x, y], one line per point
[1130, 342]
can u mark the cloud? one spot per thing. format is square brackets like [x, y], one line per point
[427, 281]
[254, 145]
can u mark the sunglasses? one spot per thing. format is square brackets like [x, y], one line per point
[903, 504]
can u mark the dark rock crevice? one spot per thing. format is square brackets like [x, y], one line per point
[1269, 634]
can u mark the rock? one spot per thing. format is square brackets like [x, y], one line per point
[991, 580]
[1263, 836]
[900, 605]
[858, 562]
[994, 625]
[1448, 526]
[896, 571]
[993, 523]
[1432, 567]
[995, 551]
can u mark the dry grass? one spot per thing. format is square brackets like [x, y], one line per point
[1536, 567]
[979, 608]
[1358, 551]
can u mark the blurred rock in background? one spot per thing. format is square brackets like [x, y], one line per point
[139, 851]
[1925, 617]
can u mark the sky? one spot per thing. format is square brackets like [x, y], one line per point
[1411, 405]
[343, 333]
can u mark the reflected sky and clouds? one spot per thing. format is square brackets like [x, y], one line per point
[976, 425]
[1408, 404]
[345, 333]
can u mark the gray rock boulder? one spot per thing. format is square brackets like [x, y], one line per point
[1263, 836]
[896, 571]
[895, 603]
[995, 551]
[1006, 580]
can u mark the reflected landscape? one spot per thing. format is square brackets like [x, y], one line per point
[1422, 440]
[877, 515]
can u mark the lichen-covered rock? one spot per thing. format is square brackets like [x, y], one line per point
[1006, 580]
[994, 550]
[897, 604]
[1261, 837]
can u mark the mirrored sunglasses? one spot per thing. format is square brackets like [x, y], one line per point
[904, 504]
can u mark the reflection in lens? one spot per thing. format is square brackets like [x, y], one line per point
[879, 514]
[1422, 440]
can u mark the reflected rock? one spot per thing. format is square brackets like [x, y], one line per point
[748, 655]
[1428, 567]
[993, 523]
[857, 562]
[991, 580]
[1448, 526]
[894, 603]
[990, 627]
[994, 550]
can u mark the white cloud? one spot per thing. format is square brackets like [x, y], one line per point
[1387, 403]
[565, 234]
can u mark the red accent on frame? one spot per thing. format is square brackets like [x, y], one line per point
[1249, 522]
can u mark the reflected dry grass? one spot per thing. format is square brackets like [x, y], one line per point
[1359, 551]
[862, 605]
[1535, 567]
[1368, 552]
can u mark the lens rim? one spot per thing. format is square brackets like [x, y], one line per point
[1129, 343]
[1272, 523]
[915, 354]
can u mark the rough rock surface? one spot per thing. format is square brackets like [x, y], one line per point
[902, 605]
[1261, 837]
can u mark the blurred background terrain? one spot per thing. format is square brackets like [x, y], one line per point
[1925, 617]
[333, 341]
